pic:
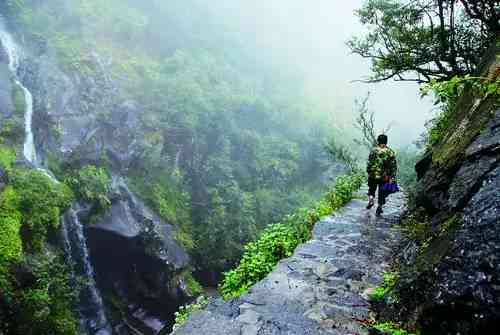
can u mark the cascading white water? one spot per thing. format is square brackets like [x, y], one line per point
[91, 305]
[75, 245]
[14, 54]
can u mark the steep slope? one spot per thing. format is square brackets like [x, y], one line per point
[39, 92]
[450, 272]
[322, 288]
[180, 136]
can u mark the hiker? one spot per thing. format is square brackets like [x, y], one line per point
[382, 169]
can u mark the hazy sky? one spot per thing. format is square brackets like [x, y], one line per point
[312, 34]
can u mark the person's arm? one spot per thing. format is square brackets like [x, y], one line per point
[371, 161]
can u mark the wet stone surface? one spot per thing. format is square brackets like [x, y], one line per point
[322, 288]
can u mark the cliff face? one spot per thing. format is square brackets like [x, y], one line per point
[132, 255]
[450, 267]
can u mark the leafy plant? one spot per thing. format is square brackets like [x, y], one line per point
[340, 153]
[10, 225]
[390, 328]
[420, 40]
[164, 194]
[447, 94]
[32, 203]
[192, 284]
[46, 306]
[184, 312]
[41, 202]
[279, 240]
[381, 292]
[91, 184]
[7, 157]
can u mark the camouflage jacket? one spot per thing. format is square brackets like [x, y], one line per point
[381, 163]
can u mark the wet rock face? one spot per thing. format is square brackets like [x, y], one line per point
[87, 119]
[452, 284]
[322, 289]
[6, 106]
[79, 116]
[137, 265]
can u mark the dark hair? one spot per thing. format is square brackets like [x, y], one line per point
[382, 139]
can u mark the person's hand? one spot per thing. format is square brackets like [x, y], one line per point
[389, 179]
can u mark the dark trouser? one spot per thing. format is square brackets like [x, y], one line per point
[372, 188]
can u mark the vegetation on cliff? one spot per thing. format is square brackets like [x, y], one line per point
[219, 158]
[36, 295]
[449, 46]
[279, 240]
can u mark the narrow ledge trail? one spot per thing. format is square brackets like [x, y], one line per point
[322, 288]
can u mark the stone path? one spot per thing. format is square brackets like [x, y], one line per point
[322, 288]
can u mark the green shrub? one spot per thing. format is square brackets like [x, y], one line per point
[279, 240]
[12, 131]
[381, 292]
[185, 311]
[41, 202]
[447, 94]
[34, 202]
[91, 184]
[7, 157]
[163, 193]
[192, 284]
[47, 305]
[390, 328]
[10, 226]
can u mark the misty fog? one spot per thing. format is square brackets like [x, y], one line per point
[311, 36]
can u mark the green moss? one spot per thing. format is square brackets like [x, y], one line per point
[7, 157]
[461, 122]
[416, 226]
[390, 328]
[164, 195]
[435, 248]
[387, 287]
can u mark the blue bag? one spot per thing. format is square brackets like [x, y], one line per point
[389, 187]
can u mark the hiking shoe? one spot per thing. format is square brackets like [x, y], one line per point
[379, 211]
[371, 202]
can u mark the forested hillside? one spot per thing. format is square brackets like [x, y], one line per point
[217, 146]
[143, 101]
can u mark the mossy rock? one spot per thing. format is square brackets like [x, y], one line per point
[433, 251]
[464, 128]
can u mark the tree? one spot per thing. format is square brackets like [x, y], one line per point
[425, 39]
[365, 123]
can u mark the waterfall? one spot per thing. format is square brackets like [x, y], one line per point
[91, 305]
[14, 55]
[91, 308]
